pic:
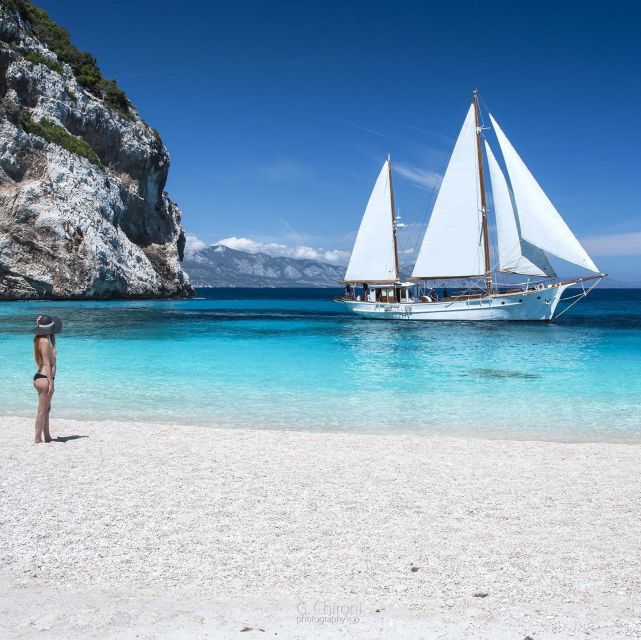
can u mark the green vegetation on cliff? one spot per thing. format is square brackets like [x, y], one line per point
[37, 58]
[58, 135]
[83, 64]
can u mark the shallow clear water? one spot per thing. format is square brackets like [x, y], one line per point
[294, 359]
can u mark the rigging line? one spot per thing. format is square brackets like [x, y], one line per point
[493, 236]
[579, 296]
[484, 104]
[479, 212]
[491, 233]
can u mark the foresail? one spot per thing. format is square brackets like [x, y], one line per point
[540, 223]
[515, 254]
[453, 243]
[373, 256]
[537, 259]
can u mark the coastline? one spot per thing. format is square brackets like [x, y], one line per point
[98, 298]
[200, 532]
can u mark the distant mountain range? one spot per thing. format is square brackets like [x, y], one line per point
[220, 266]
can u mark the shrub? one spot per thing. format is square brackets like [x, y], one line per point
[37, 58]
[83, 64]
[58, 135]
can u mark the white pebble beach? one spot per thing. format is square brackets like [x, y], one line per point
[157, 531]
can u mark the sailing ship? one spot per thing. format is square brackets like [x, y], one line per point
[456, 243]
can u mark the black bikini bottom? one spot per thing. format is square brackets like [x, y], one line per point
[38, 376]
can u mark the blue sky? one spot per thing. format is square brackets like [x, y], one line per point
[278, 115]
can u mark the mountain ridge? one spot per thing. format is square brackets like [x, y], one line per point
[221, 266]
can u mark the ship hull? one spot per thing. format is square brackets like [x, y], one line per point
[531, 305]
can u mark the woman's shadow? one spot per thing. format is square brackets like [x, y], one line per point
[67, 438]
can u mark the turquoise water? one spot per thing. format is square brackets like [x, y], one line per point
[294, 359]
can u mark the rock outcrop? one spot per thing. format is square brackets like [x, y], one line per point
[220, 266]
[83, 211]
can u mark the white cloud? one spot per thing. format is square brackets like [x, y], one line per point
[193, 244]
[614, 244]
[333, 256]
[249, 245]
[422, 178]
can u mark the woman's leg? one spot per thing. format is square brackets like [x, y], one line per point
[44, 402]
[46, 426]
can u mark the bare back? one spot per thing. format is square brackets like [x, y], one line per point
[48, 353]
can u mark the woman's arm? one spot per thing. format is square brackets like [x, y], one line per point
[43, 346]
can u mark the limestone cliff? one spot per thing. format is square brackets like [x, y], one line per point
[83, 211]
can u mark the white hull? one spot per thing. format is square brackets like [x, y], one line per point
[535, 304]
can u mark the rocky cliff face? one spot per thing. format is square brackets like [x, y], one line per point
[220, 266]
[83, 211]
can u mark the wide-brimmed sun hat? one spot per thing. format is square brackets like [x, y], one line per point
[48, 324]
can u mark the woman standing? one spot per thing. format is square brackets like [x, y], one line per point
[44, 353]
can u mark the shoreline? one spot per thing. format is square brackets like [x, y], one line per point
[459, 434]
[140, 528]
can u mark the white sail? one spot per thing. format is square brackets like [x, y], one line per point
[540, 223]
[515, 254]
[453, 243]
[373, 257]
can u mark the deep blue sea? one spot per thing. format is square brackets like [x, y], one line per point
[294, 359]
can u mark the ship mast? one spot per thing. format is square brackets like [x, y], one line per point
[486, 239]
[391, 194]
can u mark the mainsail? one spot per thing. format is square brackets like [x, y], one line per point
[373, 258]
[540, 223]
[453, 243]
[515, 254]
